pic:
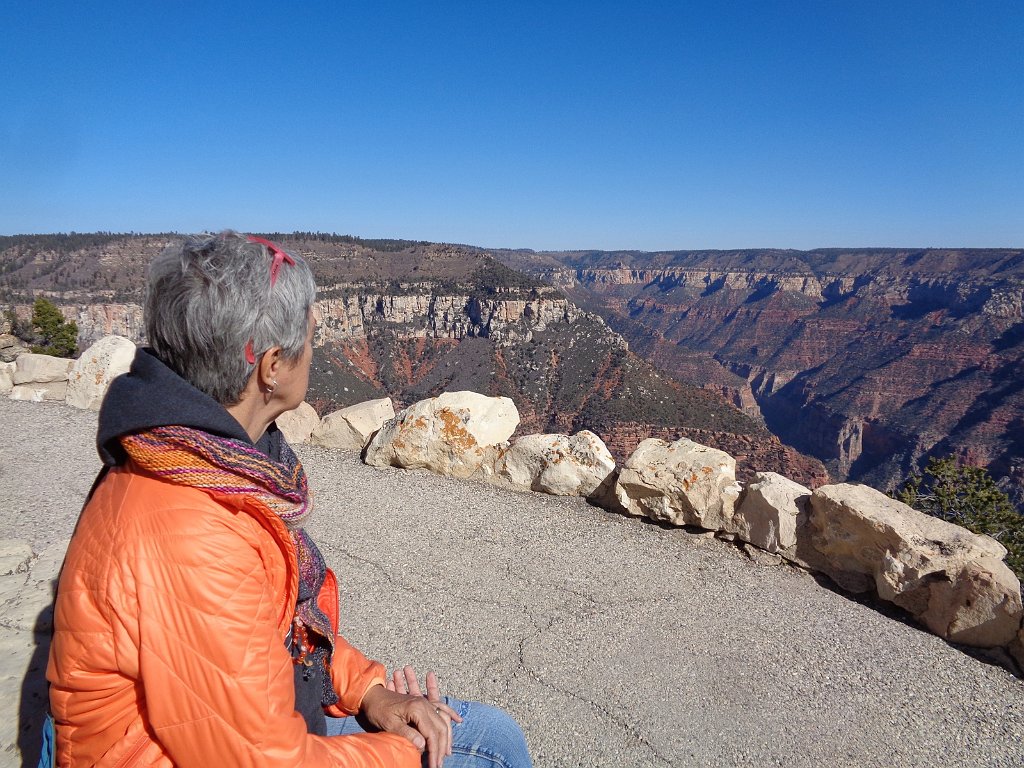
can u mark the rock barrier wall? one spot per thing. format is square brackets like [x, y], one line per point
[954, 583]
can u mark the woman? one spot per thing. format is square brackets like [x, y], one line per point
[196, 622]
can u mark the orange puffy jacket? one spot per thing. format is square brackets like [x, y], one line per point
[169, 643]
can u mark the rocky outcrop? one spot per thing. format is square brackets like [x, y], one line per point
[682, 483]
[98, 320]
[452, 434]
[411, 320]
[425, 313]
[92, 372]
[352, 428]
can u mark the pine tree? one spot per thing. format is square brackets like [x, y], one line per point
[56, 336]
[968, 496]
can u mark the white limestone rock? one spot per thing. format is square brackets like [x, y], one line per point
[981, 606]
[682, 483]
[55, 391]
[6, 377]
[298, 424]
[556, 464]
[452, 434]
[100, 364]
[352, 428]
[770, 511]
[41, 369]
[950, 579]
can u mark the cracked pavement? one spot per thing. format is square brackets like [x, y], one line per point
[613, 641]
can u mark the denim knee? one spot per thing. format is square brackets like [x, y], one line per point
[488, 734]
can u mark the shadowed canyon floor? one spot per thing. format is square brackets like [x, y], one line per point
[613, 641]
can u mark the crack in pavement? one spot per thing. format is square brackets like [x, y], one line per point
[623, 724]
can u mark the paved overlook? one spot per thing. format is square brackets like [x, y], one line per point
[613, 641]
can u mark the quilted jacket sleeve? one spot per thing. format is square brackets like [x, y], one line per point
[216, 675]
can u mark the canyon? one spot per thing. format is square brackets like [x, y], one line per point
[830, 364]
[410, 320]
[869, 360]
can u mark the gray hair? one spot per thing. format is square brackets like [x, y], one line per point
[207, 297]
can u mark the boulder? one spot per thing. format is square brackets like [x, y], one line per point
[6, 377]
[11, 347]
[556, 464]
[55, 391]
[92, 373]
[950, 579]
[682, 483]
[981, 606]
[352, 428]
[41, 369]
[453, 434]
[298, 424]
[769, 512]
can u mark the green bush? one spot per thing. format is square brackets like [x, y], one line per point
[54, 335]
[968, 496]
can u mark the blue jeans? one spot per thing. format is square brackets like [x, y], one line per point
[486, 737]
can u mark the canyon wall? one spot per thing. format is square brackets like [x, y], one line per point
[868, 361]
[410, 320]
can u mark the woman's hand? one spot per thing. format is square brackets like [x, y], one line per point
[405, 681]
[424, 721]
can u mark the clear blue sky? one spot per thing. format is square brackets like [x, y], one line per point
[520, 124]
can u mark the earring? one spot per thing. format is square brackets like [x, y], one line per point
[270, 389]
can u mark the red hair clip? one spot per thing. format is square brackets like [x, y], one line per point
[279, 256]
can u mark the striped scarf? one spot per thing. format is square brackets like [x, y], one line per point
[191, 457]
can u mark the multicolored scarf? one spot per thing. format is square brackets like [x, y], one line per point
[191, 457]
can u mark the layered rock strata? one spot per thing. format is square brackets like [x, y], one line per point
[866, 359]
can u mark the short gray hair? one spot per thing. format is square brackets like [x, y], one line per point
[208, 296]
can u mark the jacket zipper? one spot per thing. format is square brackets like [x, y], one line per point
[134, 752]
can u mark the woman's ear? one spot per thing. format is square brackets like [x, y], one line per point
[269, 367]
